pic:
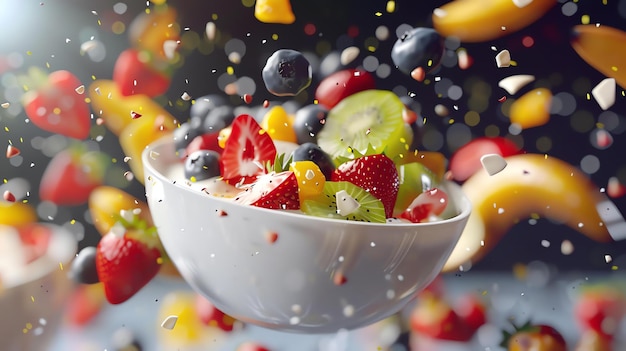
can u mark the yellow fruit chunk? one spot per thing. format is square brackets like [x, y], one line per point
[139, 133]
[532, 109]
[274, 11]
[150, 30]
[117, 110]
[484, 20]
[530, 185]
[189, 330]
[223, 136]
[603, 48]
[310, 178]
[277, 124]
[16, 214]
[106, 202]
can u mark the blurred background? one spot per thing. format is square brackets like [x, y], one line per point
[55, 35]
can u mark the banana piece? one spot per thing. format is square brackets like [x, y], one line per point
[484, 20]
[532, 184]
[603, 48]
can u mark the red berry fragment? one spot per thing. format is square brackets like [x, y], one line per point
[339, 279]
[12, 151]
[8, 196]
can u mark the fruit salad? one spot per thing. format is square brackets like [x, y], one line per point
[353, 161]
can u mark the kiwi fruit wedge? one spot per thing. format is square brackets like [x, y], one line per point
[367, 122]
[344, 200]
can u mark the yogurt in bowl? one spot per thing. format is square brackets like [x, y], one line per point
[288, 271]
[33, 283]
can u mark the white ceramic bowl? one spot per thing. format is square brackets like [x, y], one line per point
[290, 284]
[32, 302]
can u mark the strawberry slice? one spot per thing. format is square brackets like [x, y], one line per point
[35, 238]
[72, 175]
[426, 205]
[212, 316]
[277, 191]
[435, 318]
[54, 104]
[377, 174]
[127, 258]
[247, 151]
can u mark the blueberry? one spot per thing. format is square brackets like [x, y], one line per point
[202, 164]
[312, 152]
[308, 122]
[205, 104]
[287, 73]
[218, 118]
[183, 135]
[83, 269]
[419, 47]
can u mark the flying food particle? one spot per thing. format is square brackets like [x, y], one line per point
[493, 163]
[513, 84]
[169, 322]
[503, 59]
[604, 93]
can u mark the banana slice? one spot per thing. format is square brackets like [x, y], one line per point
[533, 184]
[484, 20]
[603, 48]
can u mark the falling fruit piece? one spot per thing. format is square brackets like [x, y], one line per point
[532, 109]
[274, 11]
[480, 21]
[604, 93]
[603, 48]
[12, 151]
[503, 59]
[514, 83]
[169, 322]
[8, 196]
[615, 188]
[493, 163]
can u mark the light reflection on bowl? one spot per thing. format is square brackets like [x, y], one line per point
[32, 302]
[319, 276]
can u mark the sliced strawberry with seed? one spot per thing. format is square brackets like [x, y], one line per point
[246, 152]
[377, 174]
[273, 190]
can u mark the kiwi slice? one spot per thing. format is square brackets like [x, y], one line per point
[364, 121]
[344, 200]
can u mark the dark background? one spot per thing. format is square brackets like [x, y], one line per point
[38, 32]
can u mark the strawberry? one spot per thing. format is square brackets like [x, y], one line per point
[84, 304]
[246, 151]
[429, 203]
[272, 190]
[471, 310]
[341, 84]
[35, 238]
[54, 103]
[590, 340]
[134, 74]
[251, 346]
[127, 258]
[466, 160]
[601, 309]
[72, 175]
[534, 337]
[435, 318]
[375, 173]
[206, 141]
[212, 316]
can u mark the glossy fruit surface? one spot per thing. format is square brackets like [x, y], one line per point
[419, 47]
[287, 73]
[341, 84]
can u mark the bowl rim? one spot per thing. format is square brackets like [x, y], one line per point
[60, 251]
[461, 204]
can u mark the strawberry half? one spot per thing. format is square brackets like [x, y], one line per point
[272, 190]
[247, 151]
[377, 174]
[127, 258]
[435, 318]
[72, 175]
